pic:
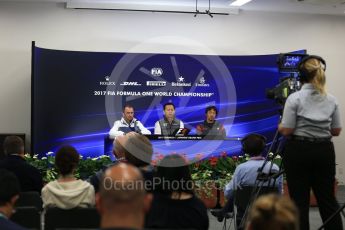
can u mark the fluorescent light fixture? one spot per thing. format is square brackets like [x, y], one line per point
[128, 6]
[239, 2]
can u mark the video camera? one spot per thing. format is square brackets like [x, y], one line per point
[287, 63]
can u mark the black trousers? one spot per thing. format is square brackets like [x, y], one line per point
[312, 165]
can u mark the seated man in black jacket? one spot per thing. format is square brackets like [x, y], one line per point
[9, 193]
[30, 178]
[210, 127]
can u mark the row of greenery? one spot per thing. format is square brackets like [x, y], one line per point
[86, 167]
[206, 172]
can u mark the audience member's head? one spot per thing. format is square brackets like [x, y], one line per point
[138, 150]
[122, 200]
[253, 144]
[273, 212]
[118, 147]
[66, 160]
[13, 145]
[175, 176]
[9, 192]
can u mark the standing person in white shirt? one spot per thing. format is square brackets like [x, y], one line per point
[127, 124]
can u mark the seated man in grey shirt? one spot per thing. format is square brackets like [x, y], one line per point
[169, 125]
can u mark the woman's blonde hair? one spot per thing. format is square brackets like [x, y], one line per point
[273, 212]
[315, 72]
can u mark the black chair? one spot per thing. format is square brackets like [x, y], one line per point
[28, 217]
[243, 199]
[30, 199]
[108, 145]
[77, 218]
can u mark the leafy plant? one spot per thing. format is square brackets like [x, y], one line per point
[89, 166]
[214, 172]
[46, 165]
[86, 167]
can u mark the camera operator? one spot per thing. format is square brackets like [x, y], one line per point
[310, 119]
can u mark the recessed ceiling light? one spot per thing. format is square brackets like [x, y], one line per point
[239, 2]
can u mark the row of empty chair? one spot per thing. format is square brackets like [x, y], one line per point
[55, 218]
[30, 214]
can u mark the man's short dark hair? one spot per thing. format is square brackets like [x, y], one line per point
[169, 103]
[127, 106]
[9, 186]
[211, 107]
[66, 159]
[13, 145]
[253, 144]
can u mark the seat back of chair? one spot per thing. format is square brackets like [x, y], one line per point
[244, 195]
[30, 199]
[28, 217]
[85, 218]
[243, 198]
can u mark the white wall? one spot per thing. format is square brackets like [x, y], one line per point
[52, 26]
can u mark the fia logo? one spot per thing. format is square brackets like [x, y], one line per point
[157, 72]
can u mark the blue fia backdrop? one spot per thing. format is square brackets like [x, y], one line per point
[77, 96]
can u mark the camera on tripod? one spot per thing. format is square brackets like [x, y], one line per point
[287, 63]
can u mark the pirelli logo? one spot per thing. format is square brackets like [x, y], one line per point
[156, 83]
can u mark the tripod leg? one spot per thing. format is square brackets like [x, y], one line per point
[332, 216]
[218, 206]
[342, 213]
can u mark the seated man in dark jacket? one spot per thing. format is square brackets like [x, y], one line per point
[30, 178]
[9, 193]
[211, 128]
